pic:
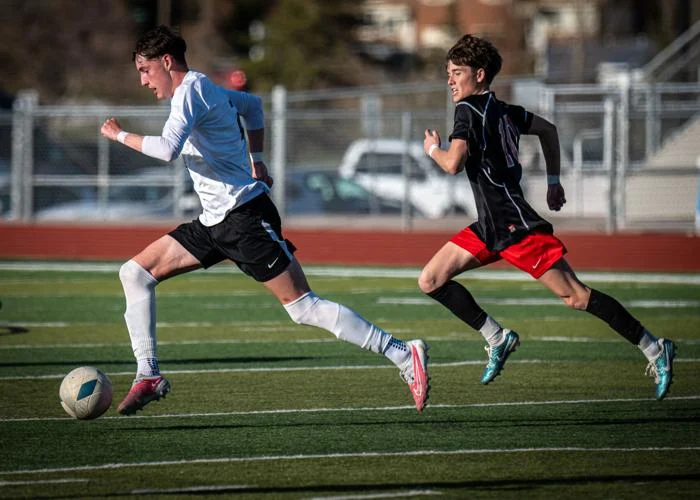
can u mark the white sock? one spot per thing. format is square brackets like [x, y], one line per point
[147, 367]
[140, 315]
[347, 325]
[492, 332]
[649, 345]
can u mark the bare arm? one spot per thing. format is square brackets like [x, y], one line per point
[549, 140]
[451, 161]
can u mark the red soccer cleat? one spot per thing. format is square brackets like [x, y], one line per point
[142, 392]
[415, 373]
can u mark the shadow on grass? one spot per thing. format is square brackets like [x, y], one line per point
[12, 330]
[430, 423]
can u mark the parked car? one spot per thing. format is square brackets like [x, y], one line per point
[324, 192]
[378, 165]
[149, 195]
[145, 194]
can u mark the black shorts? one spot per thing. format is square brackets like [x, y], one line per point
[250, 236]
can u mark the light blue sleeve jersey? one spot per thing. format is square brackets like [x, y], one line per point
[205, 128]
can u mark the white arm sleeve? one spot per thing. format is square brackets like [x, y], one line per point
[184, 109]
[157, 146]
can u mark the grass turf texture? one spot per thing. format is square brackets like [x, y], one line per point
[261, 406]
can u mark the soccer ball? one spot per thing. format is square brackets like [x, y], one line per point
[86, 393]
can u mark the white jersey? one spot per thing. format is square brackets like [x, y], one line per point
[204, 128]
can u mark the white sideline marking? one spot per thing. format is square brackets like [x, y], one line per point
[398, 494]
[372, 272]
[275, 369]
[171, 342]
[283, 411]
[642, 304]
[192, 489]
[326, 456]
[44, 481]
[470, 362]
[453, 337]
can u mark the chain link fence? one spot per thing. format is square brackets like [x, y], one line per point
[354, 157]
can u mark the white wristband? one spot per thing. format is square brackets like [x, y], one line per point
[432, 148]
[257, 156]
[121, 136]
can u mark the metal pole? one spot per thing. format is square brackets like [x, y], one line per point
[608, 155]
[278, 145]
[23, 154]
[623, 127]
[406, 126]
[103, 145]
[652, 119]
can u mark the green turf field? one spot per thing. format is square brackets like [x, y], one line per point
[263, 407]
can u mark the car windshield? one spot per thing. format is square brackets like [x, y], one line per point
[332, 188]
[350, 190]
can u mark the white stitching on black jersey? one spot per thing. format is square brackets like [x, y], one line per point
[505, 188]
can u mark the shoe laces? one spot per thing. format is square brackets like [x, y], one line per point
[493, 351]
[652, 371]
[406, 372]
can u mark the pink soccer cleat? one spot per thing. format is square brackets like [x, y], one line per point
[142, 392]
[415, 372]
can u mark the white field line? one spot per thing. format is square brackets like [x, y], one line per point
[193, 489]
[508, 301]
[292, 411]
[54, 376]
[372, 272]
[44, 481]
[458, 336]
[331, 456]
[398, 494]
[280, 369]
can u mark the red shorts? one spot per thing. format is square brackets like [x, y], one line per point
[534, 254]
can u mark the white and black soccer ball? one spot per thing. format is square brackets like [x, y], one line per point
[86, 393]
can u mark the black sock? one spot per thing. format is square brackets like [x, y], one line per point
[457, 299]
[614, 314]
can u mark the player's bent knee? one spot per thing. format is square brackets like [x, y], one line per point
[127, 273]
[427, 283]
[135, 278]
[311, 310]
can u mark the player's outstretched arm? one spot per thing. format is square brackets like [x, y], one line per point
[151, 145]
[549, 139]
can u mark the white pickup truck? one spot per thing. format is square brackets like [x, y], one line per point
[378, 165]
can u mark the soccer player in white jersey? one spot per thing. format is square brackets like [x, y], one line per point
[239, 222]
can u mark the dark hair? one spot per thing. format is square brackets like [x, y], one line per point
[477, 53]
[160, 41]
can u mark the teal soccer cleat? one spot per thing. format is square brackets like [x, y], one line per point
[662, 368]
[498, 355]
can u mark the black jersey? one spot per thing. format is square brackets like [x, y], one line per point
[492, 130]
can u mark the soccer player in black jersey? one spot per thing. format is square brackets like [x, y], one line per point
[484, 143]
